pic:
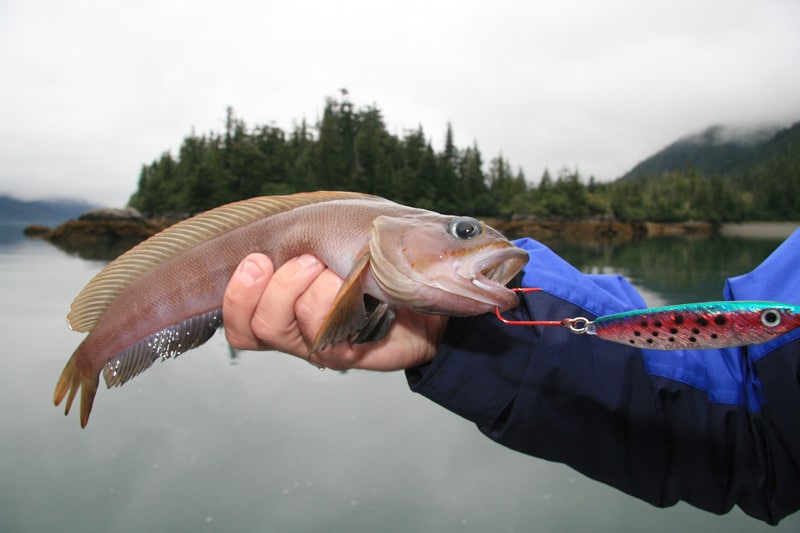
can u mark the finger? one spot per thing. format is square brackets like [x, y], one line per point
[274, 321]
[412, 340]
[241, 299]
[314, 305]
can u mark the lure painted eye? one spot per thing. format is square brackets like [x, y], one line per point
[465, 228]
[770, 318]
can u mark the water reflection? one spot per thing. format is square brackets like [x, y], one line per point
[267, 443]
[11, 232]
[678, 270]
[104, 250]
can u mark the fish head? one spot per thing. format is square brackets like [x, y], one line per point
[443, 264]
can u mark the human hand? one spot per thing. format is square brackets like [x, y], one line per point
[265, 309]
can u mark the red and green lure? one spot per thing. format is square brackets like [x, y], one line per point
[694, 326]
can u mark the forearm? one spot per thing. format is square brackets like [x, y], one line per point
[571, 399]
[714, 428]
[550, 394]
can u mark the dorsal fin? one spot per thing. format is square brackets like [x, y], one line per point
[98, 294]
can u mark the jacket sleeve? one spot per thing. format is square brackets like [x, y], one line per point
[714, 428]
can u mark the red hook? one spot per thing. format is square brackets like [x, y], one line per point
[523, 290]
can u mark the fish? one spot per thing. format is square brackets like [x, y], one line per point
[164, 296]
[702, 325]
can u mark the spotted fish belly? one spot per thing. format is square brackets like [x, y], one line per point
[698, 326]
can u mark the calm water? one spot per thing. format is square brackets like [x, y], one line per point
[264, 442]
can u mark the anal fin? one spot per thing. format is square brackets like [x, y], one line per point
[169, 342]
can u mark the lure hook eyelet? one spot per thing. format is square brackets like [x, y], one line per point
[579, 325]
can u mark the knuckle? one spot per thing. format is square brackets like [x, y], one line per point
[232, 299]
[265, 330]
[236, 340]
[340, 356]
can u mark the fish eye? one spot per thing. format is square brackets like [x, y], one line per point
[770, 318]
[464, 228]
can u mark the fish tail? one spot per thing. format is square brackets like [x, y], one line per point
[75, 377]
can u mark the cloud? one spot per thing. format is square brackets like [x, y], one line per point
[93, 90]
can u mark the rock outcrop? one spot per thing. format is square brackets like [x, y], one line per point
[101, 233]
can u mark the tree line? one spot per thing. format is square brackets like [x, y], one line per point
[351, 149]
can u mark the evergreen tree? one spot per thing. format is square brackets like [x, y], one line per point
[350, 149]
[449, 195]
[373, 171]
[332, 163]
[506, 189]
[476, 198]
[545, 182]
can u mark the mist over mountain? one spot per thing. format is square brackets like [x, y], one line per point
[719, 150]
[721, 174]
[46, 212]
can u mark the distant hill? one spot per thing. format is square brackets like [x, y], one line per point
[720, 174]
[719, 151]
[45, 212]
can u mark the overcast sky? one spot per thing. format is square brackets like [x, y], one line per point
[92, 90]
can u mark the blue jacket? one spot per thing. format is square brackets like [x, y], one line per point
[714, 428]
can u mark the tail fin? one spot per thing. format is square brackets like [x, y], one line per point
[74, 378]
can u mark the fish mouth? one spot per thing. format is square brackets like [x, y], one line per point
[491, 271]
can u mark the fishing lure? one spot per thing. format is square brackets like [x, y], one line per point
[675, 327]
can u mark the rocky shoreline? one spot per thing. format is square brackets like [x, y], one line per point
[105, 233]
[101, 233]
[592, 231]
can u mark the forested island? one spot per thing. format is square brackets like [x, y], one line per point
[350, 148]
[691, 187]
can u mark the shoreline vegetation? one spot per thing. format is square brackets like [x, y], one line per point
[695, 188]
[711, 178]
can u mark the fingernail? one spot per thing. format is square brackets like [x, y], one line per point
[250, 270]
[308, 261]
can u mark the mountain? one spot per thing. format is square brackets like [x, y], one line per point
[718, 151]
[45, 212]
[720, 174]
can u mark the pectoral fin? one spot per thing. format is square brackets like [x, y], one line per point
[350, 317]
[379, 319]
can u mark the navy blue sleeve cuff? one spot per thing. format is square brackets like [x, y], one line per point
[475, 353]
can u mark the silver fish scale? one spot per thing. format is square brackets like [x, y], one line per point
[167, 343]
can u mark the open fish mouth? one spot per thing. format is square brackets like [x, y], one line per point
[493, 270]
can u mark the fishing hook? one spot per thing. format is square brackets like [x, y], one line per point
[577, 325]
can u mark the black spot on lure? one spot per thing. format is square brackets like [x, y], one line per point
[687, 326]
